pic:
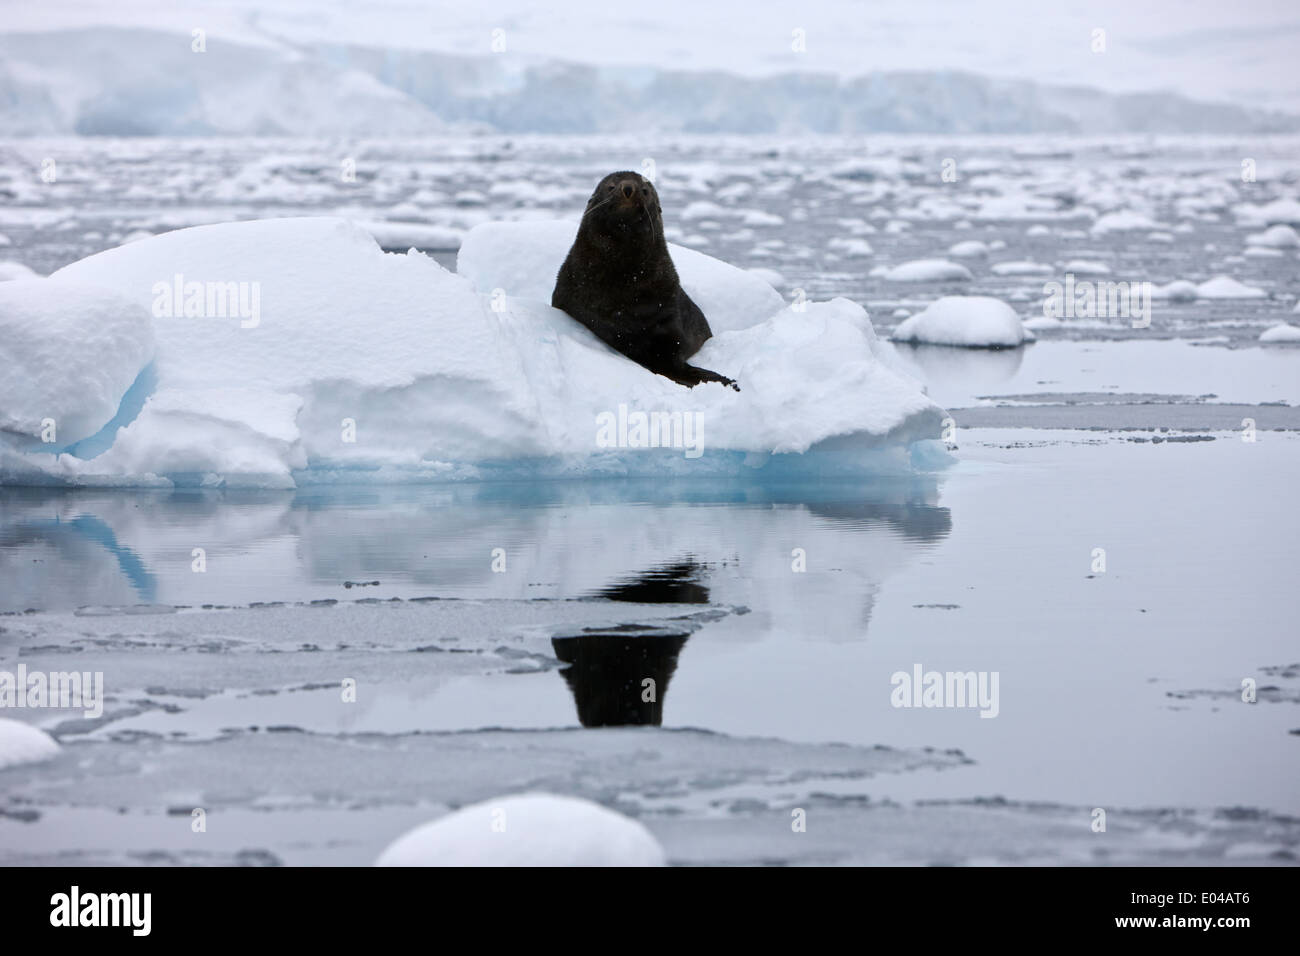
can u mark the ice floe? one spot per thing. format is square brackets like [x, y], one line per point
[532, 829]
[972, 321]
[275, 352]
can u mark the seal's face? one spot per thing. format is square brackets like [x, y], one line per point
[625, 204]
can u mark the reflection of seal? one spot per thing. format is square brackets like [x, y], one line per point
[618, 280]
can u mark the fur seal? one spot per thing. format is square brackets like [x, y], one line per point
[619, 281]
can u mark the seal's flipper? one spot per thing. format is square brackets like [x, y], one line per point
[691, 375]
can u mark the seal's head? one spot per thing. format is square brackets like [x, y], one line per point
[625, 205]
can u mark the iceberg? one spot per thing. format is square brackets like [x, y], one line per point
[282, 352]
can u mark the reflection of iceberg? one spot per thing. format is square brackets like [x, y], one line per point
[731, 540]
[73, 558]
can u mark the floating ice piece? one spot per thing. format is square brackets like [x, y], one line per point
[1285, 211]
[971, 321]
[1226, 287]
[531, 829]
[928, 270]
[22, 743]
[1180, 290]
[1087, 267]
[1275, 237]
[850, 247]
[1040, 323]
[969, 249]
[1021, 268]
[1122, 221]
[1280, 333]
[704, 209]
[10, 270]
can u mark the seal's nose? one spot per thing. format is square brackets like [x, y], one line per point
[628, 187]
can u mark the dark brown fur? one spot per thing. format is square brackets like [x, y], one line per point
[619, 281]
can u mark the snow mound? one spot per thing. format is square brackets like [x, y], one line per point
[328, 359]
[969, 249]
[1021, 268]
[972, 321]
[532, 829]
[928, 270]
[1279, 211]
[523, 259]
[1275, 237]
[1180, 290]
[1226, 287]
[23, 743]
[10, 270]
[850, 247]
[1280, 333]
[1123, 220]
[70, 351]
[1087, 267]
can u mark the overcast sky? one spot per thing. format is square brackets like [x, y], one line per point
[1244, 51]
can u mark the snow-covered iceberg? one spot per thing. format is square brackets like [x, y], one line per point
[971, 321]
[280, 352]
[530, 829]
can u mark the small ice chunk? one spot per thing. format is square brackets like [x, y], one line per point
[971, 321]
[531, 829]
[1021, 268]
[22, 743]
[1280, 333]
[10, 270]
[850, 247]
[1226, 287]
[1124, 220]
[1275, 237]
[969, 249]
[1180, 290]
[928, 270]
